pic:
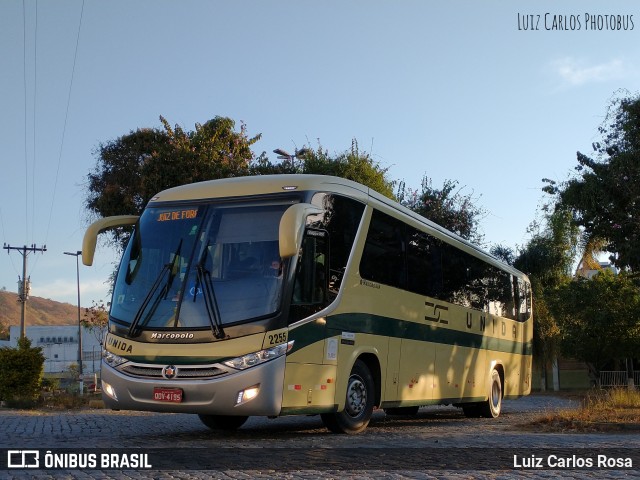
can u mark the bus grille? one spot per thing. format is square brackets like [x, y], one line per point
[183, 372]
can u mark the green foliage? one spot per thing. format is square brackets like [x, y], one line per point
[503, 253]
[604, 197]
[96, 319]
[50, 384]
[547, 259]
[136, 166]
[21, 372]
[599, 318]
[351, 164]
[549, 254]
[72, 374]
[447, 207]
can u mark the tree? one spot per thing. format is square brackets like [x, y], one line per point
[351, 164]
[96, 320]
[547, 259]
[21, 373]
[136, 166]
[604, 197]
[447, 207]
[503, 253]
[599, 319]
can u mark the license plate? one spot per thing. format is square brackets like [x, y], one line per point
[173, 395]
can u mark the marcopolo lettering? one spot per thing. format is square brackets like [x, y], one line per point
[172, 336]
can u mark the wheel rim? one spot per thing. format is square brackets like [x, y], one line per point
[496, 395]
[356, 396]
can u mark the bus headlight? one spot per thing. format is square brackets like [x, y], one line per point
[256, 358]
[112, 359]
[108, 389]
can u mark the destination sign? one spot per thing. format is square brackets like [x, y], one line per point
[178, 215]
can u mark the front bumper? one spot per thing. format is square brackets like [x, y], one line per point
[217, 396]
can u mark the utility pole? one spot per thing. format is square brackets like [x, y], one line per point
[24, 283]
[80, 372]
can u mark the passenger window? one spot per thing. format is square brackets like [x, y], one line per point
[310, 287]
[383, 256]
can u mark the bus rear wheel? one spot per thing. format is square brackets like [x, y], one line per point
[223, 422]
[359, 403]
[492, 407]
[471, 410]
[402, 411]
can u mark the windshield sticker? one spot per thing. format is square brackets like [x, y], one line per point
[178, 215]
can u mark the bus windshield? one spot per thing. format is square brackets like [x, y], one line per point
[201, 266]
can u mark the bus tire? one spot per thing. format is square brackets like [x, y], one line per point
[223, 422]
[471, 410]
[402, 411]
[492, 407]
[358, 405]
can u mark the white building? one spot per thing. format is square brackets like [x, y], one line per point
[59, 345]
[588, 273]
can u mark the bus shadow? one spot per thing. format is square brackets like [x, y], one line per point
[284, 429]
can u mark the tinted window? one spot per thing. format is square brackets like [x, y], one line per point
[383, 256]
[401, 256]
[424, 263]
[341, 221]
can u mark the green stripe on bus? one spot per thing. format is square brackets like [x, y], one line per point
[391, 327]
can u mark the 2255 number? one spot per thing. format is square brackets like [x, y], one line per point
[277, 338]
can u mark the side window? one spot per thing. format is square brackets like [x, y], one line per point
[496, 287]
[455, 275]
[383, 257]
[524, 299]
[341, 220]
[310, 287]
[424, 263]
[478, 275]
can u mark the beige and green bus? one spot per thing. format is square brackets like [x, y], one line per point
[306, 294]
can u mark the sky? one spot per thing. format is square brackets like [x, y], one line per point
[492, 94]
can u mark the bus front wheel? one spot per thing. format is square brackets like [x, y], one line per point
[358, 405]
[223, 422]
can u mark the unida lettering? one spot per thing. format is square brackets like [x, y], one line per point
[120, 345]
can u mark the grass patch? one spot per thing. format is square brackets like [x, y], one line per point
[70, 401]
[58, 400]
[600, 411]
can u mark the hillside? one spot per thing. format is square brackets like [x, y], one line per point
[40, 311]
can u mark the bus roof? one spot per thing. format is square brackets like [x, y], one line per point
[269, 184]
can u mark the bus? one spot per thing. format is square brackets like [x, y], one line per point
[306, 294]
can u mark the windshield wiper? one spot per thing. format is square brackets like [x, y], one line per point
[210, 301]
[168, 267]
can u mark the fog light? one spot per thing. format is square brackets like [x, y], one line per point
[108, 389]
[247, 394]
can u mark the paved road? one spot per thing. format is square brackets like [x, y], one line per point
[437, 443]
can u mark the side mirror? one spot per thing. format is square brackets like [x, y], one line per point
[292, 226]
[91, 235]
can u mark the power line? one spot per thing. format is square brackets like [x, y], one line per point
[24, 80]
[66, 116]
[35, 97]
